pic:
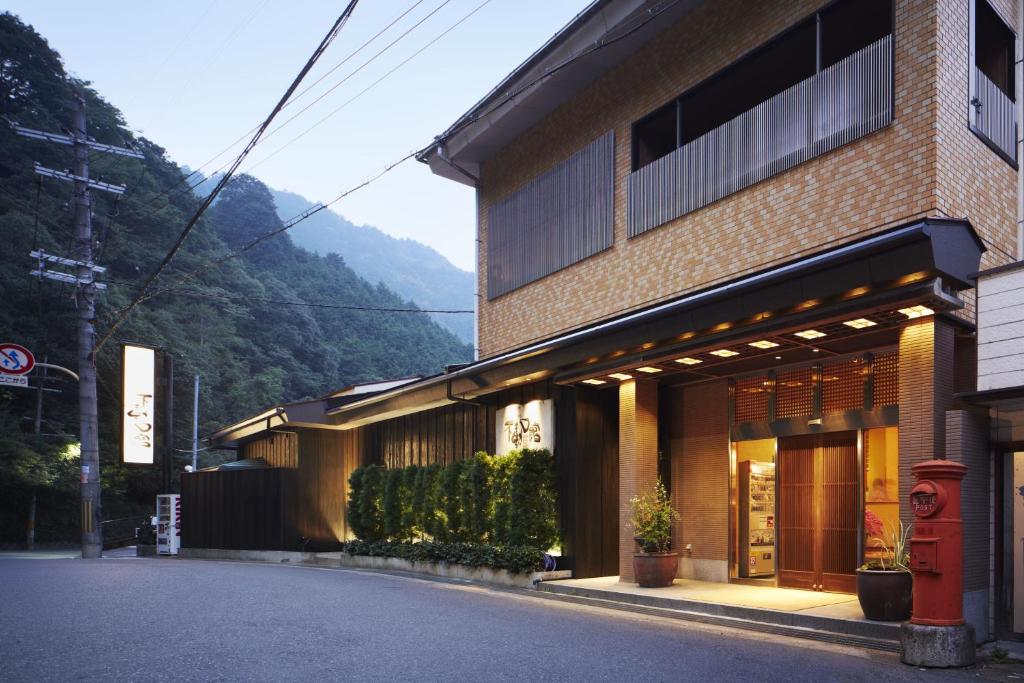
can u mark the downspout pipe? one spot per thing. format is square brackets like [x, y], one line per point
[446, 159]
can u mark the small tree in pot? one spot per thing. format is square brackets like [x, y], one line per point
[885, 584]
[651, 520]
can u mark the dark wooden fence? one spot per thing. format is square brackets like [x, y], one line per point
[240, 510]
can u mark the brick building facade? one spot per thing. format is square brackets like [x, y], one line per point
[726, 238]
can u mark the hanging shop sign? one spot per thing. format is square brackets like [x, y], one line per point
[526, 425]
[138, 404]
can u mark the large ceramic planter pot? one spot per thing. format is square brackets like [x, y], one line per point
[885, 595]
[655, 570]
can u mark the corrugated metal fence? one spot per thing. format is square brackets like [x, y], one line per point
[835, 106]
[555, 220]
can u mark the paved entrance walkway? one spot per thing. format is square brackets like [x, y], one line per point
[834, 605]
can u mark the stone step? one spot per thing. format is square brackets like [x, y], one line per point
[869, 634]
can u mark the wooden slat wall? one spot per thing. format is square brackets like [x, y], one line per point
[587, 455]
[279, 449]
[326, 459]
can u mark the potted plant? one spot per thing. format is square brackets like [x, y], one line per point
[884, 583]
[651, 520]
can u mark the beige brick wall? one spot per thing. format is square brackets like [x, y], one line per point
[927, 163]
[699, 433]
[926, 375]
[638, 459]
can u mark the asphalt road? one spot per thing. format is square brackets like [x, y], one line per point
[134, 619]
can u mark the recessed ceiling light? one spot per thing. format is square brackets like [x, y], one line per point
[650, 370]
[778, 357]
[595, 382]
[860, 323]
[620, 376]
[724, 353]
[809, 334]
[916, 311]
[689, 361]
[763, 344]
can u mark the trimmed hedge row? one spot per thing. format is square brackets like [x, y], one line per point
[506, 501]
[515, 559]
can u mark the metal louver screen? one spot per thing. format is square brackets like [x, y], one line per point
[751, 402]
[555, 220]
[842, 386]
[794, 393]
[848, 100]
[886, 391]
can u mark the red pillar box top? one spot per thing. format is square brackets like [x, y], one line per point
[937, 491]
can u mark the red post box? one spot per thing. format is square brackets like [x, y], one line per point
[937, 545]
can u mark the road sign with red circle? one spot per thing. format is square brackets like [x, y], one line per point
[15, 359]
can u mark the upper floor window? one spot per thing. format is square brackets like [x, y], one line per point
[836, 32]
[993, 87]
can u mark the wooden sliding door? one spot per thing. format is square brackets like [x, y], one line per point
[819, 510]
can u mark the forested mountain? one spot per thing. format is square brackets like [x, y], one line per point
[413, 270]
[232, 323]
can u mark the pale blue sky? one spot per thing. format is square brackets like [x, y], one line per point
[194, 75]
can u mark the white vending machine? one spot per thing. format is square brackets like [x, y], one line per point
[168, 524]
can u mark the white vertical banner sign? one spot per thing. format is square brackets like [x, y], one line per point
[526, 425]
[138, 404]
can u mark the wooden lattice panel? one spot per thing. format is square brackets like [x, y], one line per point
[886, 379]
[795, 393]
[751, 402]
[842, 386]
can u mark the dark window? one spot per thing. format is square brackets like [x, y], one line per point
[655, 135]
[847, 27]
[993, 48]
[746, 84]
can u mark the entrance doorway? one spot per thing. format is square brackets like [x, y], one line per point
[820, 505]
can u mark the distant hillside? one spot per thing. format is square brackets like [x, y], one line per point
[276, 323]
[409, 268]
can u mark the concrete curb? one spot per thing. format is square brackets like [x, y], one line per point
[823, 636]
[499, 577]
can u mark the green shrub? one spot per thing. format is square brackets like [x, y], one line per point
[506, 501]
[533, 500]
[409, 524]
[355, 495]
[515, 559]
[370, 503]
[451, 502]
[476, 498]
[501, 500]
[394, 505]
[433, 523]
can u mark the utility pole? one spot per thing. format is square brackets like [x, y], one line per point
[85, 301]
[85, 298]
[195, 426]
[168, 458]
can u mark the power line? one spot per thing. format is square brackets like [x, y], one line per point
[286, 302]
[295, 98]
[290, 223]
[324, 43]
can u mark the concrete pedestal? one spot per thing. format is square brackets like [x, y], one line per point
[937, 646]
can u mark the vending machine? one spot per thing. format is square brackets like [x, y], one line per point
[168, 524]
[757, 518]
